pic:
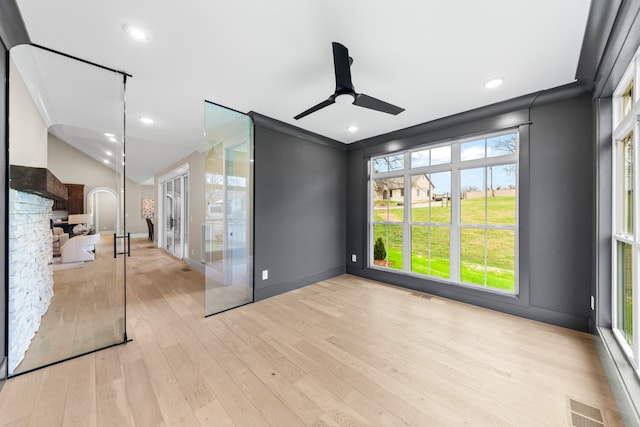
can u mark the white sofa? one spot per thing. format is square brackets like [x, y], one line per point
[79, 248]
[59, 238]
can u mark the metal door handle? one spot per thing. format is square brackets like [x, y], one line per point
[115, 244]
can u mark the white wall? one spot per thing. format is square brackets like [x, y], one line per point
[27, 129]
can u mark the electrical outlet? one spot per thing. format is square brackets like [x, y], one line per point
[593, 303]
[265, 274]
[354, 258]
[193, 251]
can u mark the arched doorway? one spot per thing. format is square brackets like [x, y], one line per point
[103, 205]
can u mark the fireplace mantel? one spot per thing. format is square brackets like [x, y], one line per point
[38, 181]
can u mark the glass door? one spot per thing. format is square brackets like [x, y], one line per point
[228, 231]
[66, 138]
[169, 218]
[177, 215]
[174, 210]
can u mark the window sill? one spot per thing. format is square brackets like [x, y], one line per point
[623, 378]
[445, 282]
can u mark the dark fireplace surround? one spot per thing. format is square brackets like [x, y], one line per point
[38, 181]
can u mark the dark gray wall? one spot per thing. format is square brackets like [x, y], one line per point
[12, 29]
[562, 215]
[300, 208]
[556, 204]
[604, 201]
[3, 208]
[621, 44]
[602, 15]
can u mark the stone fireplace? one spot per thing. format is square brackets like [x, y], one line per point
[30, 254]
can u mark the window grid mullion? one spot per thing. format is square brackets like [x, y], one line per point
[617, 188]
[635, 301]
[454, 232]
[486, 216]
[406, 225]
[485, 258]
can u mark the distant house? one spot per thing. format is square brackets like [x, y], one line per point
[422, 189]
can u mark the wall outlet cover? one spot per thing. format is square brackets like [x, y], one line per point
[265, 274]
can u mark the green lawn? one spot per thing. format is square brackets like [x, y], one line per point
[625, 291]
[628, 314]
[430, 244]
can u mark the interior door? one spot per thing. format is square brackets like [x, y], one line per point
[229, 209]
[66, 285]
[174, 210]
[178, 206]
[169, 218]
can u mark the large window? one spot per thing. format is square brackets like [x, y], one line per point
[626, 236]
[448, 211]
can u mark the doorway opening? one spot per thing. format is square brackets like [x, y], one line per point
[173, 226]
[103, 204]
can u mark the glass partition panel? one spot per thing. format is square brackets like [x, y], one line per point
[228, 230]
[66, 138]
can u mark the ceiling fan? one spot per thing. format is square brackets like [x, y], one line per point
[345, 92]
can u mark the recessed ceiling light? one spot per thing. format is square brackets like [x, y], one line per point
[113, 140]
[136, 33]
[109, 135]
[493, 83]
[109, 153]
[106, 161]
[352, 128]
[146, 120]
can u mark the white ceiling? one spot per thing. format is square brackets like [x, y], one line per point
[275, 58]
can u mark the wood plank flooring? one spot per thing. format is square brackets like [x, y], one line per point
[342, 352]
[85, 313]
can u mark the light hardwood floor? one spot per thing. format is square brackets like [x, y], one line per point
[342, 352]
[85, 313]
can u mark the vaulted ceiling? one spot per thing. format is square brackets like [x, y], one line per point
[275, 58]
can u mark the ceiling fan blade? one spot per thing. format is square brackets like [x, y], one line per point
[372, 103]
[317, 107]
[342, 68]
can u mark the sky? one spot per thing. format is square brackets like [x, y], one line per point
[496, 176]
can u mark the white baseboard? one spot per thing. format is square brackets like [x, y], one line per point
[195, 265]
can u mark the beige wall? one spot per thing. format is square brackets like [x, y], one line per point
[72, 166]
[135, 194]
[196, 201]
[27, 129]
[106, 206]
